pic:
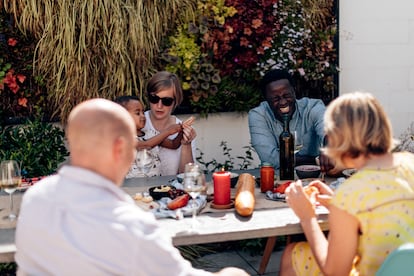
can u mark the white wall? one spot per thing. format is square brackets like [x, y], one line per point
[376, 54]
[230, 127]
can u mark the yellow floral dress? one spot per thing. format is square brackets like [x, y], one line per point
[383, 202]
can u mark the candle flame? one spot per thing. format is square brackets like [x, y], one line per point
[222, 169]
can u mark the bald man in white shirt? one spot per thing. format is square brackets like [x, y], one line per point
[80, 222]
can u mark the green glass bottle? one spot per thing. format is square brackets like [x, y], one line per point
[287, 155]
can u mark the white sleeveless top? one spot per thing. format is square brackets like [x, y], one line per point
[170, 159]
[134, 171]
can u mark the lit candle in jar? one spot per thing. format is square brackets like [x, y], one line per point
[221, 187]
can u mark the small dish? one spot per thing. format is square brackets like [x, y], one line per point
[159, 192]
[308, 171]
[349, 172]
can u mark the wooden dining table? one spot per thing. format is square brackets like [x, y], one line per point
[269, 219]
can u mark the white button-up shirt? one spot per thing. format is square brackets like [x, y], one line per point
[79, 223]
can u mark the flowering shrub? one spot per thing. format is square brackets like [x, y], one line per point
[20, 95]
[239, 40]
[220, 53]
[11, 81]
[310, 54]
[239, 43]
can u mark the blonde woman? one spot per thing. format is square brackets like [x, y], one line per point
[372, 212]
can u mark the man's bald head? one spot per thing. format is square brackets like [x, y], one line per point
[93, 129]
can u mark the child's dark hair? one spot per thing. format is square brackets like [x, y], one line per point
[123, 100]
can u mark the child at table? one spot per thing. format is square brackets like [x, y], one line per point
[136, 108]
[372, 212]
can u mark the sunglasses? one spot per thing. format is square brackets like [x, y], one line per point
[154, 99]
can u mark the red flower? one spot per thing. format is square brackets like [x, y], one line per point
[247, 31]
[12, 42]
[10, 81]
[21, 78]
[256, 23]
[22, 102]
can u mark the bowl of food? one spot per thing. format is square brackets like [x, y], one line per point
[308, 171]
[159, 192]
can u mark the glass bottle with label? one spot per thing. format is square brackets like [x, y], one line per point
[287, 155]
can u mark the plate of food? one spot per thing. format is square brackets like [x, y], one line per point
[349, 172]
[168, 201]
[161, 191]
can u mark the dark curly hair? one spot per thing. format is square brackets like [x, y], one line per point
[274, 75]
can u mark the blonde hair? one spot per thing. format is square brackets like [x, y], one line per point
[355, 125]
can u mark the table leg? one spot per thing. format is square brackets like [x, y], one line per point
[270, 244]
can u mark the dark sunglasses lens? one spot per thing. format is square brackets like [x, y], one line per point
[154, 99]
[167, 101]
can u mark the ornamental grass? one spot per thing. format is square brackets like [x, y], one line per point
[90, 48]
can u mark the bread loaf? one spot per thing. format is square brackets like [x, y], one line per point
[245, 199]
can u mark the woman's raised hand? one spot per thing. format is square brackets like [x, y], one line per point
[188, 131]
[174, 128]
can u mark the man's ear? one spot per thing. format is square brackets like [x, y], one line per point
[119, 148]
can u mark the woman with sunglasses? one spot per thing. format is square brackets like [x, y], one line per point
[164, 94]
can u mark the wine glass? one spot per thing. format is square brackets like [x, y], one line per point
[194, 184]
[10, 180]
[144, 161]
[298, 142]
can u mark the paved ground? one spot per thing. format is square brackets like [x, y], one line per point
[250, 264]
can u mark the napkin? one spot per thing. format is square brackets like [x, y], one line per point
[275, 196]
[164, 212]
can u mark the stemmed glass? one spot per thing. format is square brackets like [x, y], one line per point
[145, 160]
[194, 183]
[10, 180]
[298, 142]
